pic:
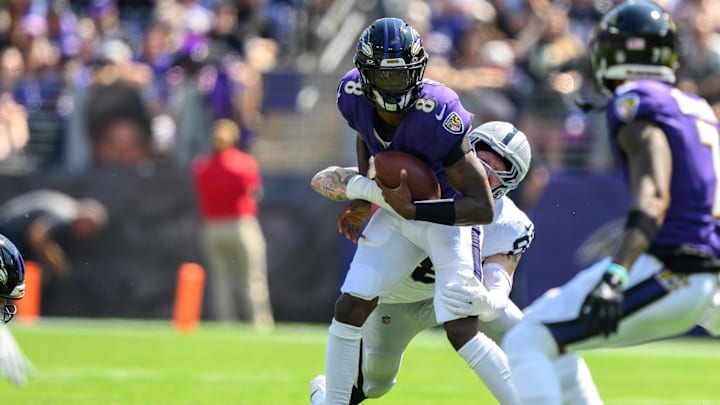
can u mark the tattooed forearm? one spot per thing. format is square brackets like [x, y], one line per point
[331, 182]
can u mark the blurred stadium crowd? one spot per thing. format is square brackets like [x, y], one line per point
[132, 82]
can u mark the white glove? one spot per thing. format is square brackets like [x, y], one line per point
[467, 300]
[13, 363]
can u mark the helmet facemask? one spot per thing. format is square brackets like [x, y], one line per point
[503, 139]
[392, 89]
[508, 180]
[12, 277]
[8, 312]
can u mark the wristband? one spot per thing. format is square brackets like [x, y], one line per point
[437, 211]
[619, 271]
[640, 220]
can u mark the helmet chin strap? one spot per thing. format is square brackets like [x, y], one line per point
[9, 311]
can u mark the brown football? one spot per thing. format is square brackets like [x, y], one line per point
[421, 180]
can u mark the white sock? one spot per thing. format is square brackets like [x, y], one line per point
[341, 362]
[529, 348]
[317, 390]
[361, 188]
[576, 381]
[491, 365]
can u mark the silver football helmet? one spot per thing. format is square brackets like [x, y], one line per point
[511, 144]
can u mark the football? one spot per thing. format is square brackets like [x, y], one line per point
[421, 180]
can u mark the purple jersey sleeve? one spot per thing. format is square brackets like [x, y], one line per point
[429, 130]
[693, 132]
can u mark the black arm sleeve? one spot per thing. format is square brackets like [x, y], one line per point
[461, 147]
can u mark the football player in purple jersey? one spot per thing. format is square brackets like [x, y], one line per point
[13, 363]
[662, 278]
[12, 278]
[408, 308]
[386, 100]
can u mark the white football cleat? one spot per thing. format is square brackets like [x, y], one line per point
[317, 390]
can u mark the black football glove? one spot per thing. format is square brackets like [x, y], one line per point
[603, 306]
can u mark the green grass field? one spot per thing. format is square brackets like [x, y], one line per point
[128, 362]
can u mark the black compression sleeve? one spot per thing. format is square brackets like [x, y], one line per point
[640, 220]
[461, 147]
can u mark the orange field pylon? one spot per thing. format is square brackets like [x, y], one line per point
[188, 296]
[28, 308]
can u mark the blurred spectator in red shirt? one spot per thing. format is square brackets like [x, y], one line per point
[228, 185]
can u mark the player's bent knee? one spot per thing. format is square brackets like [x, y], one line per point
[378, 390]
[353, 310]
[379, 380]
[711, 321]
[460, 331]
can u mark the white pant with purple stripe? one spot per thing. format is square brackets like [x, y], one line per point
[658, 304]
[394, 246]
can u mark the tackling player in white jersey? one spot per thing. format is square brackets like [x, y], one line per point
[407, 309]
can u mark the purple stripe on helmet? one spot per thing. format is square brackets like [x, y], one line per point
[386, 43]
[397, 29]
[510, 136]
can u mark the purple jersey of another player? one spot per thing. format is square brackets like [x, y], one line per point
[429, 130]
[693, 133]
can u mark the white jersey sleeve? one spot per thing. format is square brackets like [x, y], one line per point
[511, 231]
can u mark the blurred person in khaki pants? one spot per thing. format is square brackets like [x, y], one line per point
[228, 186]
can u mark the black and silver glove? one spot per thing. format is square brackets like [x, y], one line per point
[603, 307]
